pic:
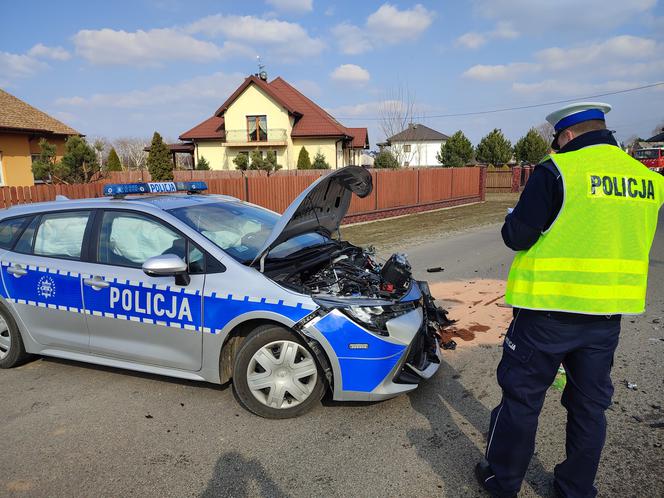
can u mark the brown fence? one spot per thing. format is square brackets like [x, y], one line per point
[499, 180]
[395, 191]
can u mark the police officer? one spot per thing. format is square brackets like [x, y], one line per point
[582, 230]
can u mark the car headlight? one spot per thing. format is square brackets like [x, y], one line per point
[375, 318]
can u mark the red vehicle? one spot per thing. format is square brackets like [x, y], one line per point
[652, 158]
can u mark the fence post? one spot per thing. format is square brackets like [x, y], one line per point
[483, 170]
[516, 178]
[246, 188]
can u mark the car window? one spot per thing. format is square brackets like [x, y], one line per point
[129, 239]
[9, 230]
[61, 234]
[196, 260]
[24, 243]
[239, 229]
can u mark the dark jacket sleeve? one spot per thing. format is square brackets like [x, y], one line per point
[537, 208]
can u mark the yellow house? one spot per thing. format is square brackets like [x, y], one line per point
[275, 117]
[21, 128]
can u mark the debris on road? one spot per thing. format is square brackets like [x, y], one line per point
[435, 269]
[631, 385]
[451, 344]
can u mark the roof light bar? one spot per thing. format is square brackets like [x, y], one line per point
[119, 189]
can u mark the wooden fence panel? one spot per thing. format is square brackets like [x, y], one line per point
[396, 188]
[276, 192]
[465, 182]
[499, 179]
[227, 186]
[435, 185]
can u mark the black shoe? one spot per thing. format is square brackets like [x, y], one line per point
[483, 472]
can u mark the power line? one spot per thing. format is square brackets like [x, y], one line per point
[516, 108]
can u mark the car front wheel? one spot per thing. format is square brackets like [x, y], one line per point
[275, 375]
[12, 351]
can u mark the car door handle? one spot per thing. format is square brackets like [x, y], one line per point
[16, 270]
[96, 282]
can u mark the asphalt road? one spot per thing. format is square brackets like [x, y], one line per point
[69, 429]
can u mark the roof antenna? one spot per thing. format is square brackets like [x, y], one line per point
[262, 73]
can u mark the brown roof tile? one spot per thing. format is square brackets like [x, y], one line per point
[210, 128]
[18, 115]
[360, 137]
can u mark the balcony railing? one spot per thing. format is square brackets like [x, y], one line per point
[275, 136]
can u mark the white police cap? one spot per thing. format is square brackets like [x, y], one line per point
[577, 113]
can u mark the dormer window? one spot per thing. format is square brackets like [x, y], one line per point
[257, 128]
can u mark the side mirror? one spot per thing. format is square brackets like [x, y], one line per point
[167, 265]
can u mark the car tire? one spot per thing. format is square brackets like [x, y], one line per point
[12, 350]
[275, 375]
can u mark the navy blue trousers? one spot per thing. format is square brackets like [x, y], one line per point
[535, 345]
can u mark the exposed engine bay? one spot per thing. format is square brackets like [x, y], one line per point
[344, 270]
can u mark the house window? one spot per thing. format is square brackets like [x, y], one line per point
[257, 128]
[406, 148]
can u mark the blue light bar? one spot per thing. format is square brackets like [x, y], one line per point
[115, 189]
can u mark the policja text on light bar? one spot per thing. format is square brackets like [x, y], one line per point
[115, 189]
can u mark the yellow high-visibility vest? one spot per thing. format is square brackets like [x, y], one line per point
[593, 259]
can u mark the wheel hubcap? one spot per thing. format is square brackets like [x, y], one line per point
[5, 339]
[282, 374]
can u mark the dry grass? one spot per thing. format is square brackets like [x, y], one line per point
[418, 228]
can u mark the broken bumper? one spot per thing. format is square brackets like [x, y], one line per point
[369, 367]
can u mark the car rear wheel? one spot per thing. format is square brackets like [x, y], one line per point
[275, 375]
[12, 351]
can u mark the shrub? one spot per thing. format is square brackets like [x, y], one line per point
[113, 163]
[159, 160]
[385, 159]
[320, 162]
[303, 160]
[457, 151]
[203, 164]
[241, 162]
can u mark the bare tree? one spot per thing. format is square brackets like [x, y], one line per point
[546, 131]
[101, 146]
[396, 113]
[658, 129]
[132, 151]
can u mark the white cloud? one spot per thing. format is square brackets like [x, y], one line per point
[390, 23]
[570, 88]
[616, 58]
[286, 40]
[351, 39]
[292, 5]
[108, 46]
[54, 53]
[214, 88]
[473, 40]
[540, 16]
[350, 73]
[499, 71]
[18, 65]
[619, 47]
[386, 26]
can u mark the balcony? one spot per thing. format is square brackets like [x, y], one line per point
[276, 137]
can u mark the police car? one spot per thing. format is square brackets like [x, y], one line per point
[161, 278]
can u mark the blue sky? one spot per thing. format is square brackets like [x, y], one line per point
[127, 68]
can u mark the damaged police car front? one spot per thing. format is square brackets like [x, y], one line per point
[211, 288]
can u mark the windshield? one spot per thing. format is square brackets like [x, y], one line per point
[647, 154]
[241, 229]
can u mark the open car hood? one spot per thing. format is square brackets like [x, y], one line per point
[320, 207]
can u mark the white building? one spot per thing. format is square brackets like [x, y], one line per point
[417, 145]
